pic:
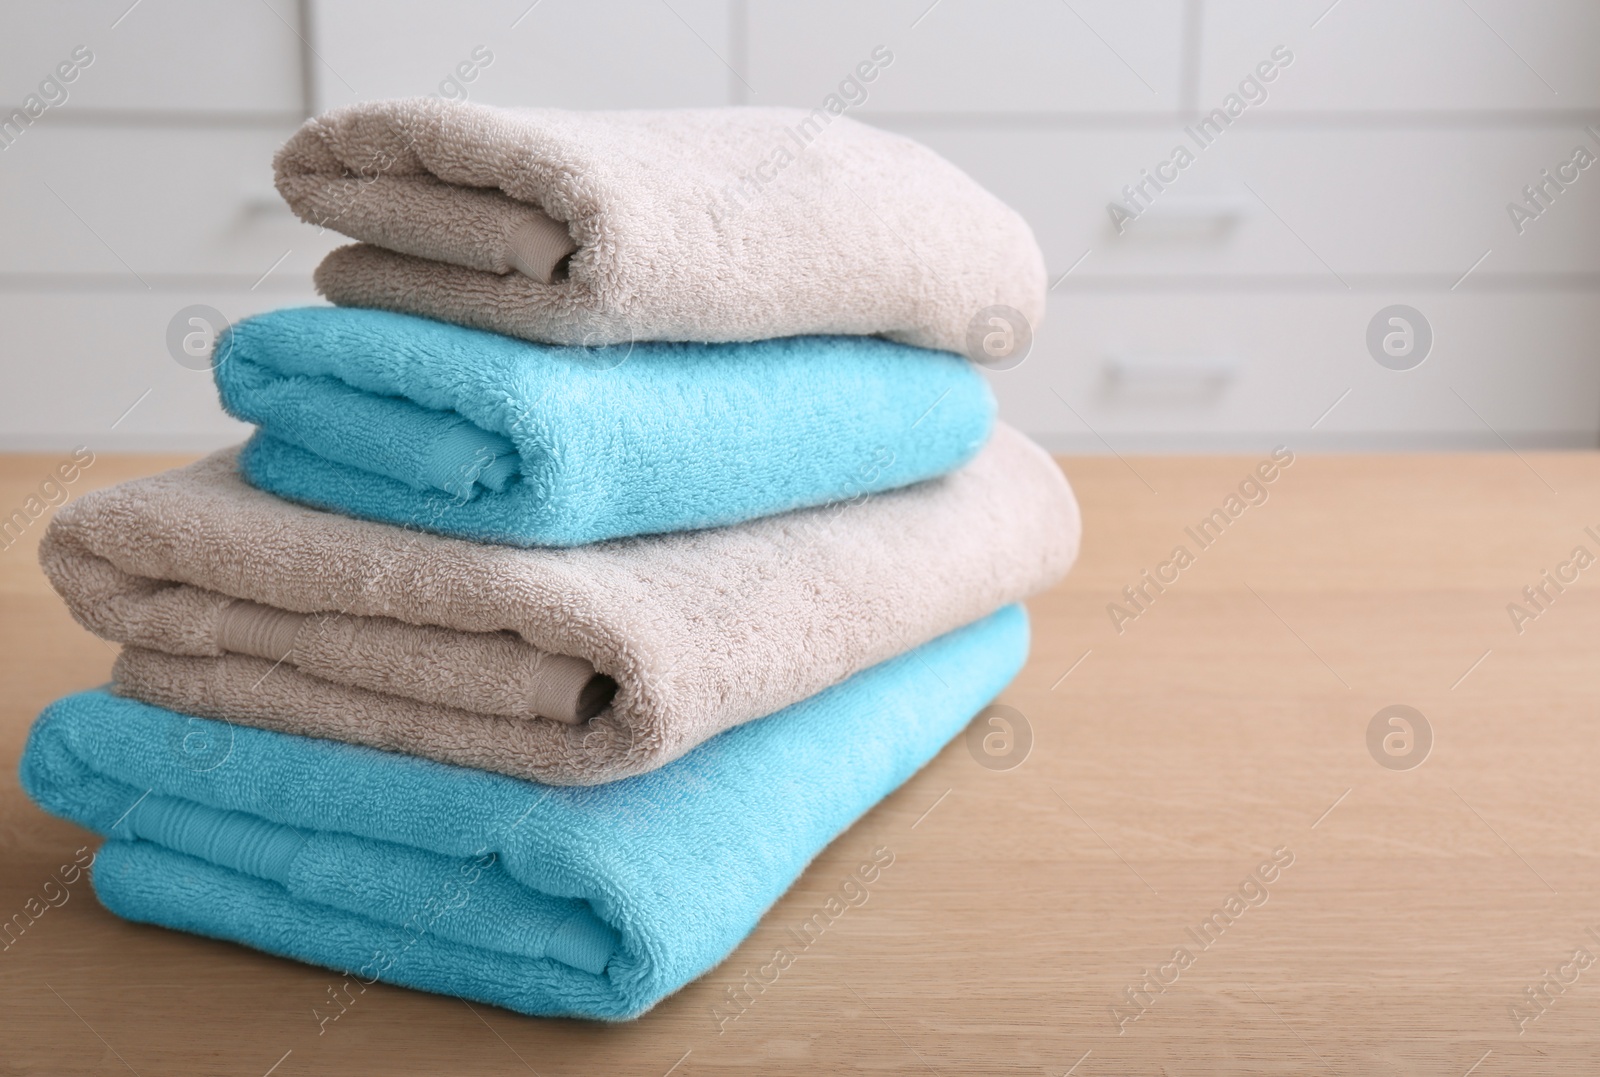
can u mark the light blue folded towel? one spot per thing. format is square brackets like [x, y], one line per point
[442, 428]
[593, 901]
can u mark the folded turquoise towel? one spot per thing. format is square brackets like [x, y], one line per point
[435, 426]
[592, 901]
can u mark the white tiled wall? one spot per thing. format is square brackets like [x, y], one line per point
[1232, 315]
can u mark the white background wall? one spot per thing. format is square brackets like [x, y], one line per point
[1233, 316]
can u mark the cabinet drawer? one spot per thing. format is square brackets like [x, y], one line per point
[1013, 55]
[1366, 201]
[1232, 371]
[162, 201]
[558, 54]
[165, 55]
[1491, 56]
[81, 359]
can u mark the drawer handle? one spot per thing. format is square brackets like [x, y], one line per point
[254, 207]
[1154, 371]
[1194, 215]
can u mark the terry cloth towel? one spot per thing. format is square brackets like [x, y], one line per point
[483, 655]
[689, 224]
[590, 902]
[474, 434]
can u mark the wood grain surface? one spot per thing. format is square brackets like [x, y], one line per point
[1035, 905]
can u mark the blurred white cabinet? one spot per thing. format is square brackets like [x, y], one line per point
[1229, 369]
[181, 56]
[959, 57]
[1450, 56]
[88, 364]
[1231, 314]
[178, 202]
[1267, 201]
[555, 53]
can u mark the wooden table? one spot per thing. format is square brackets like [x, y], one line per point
[1031, 911]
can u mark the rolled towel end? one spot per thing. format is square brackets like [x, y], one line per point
[596, 696]
[463, 458]
[260, 631]
[568, 689]
[583, 942]
[540, 248]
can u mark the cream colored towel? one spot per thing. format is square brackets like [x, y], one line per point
[689, 224]
[462, 652]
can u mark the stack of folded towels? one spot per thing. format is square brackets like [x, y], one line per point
[620, 537]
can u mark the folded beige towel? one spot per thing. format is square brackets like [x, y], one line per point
[240, 606]
[689, 224]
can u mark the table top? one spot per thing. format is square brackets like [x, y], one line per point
[1222, 853]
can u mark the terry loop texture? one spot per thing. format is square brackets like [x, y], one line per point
[430, 645]
[588, 902]
[418, 423]
[690, 224]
